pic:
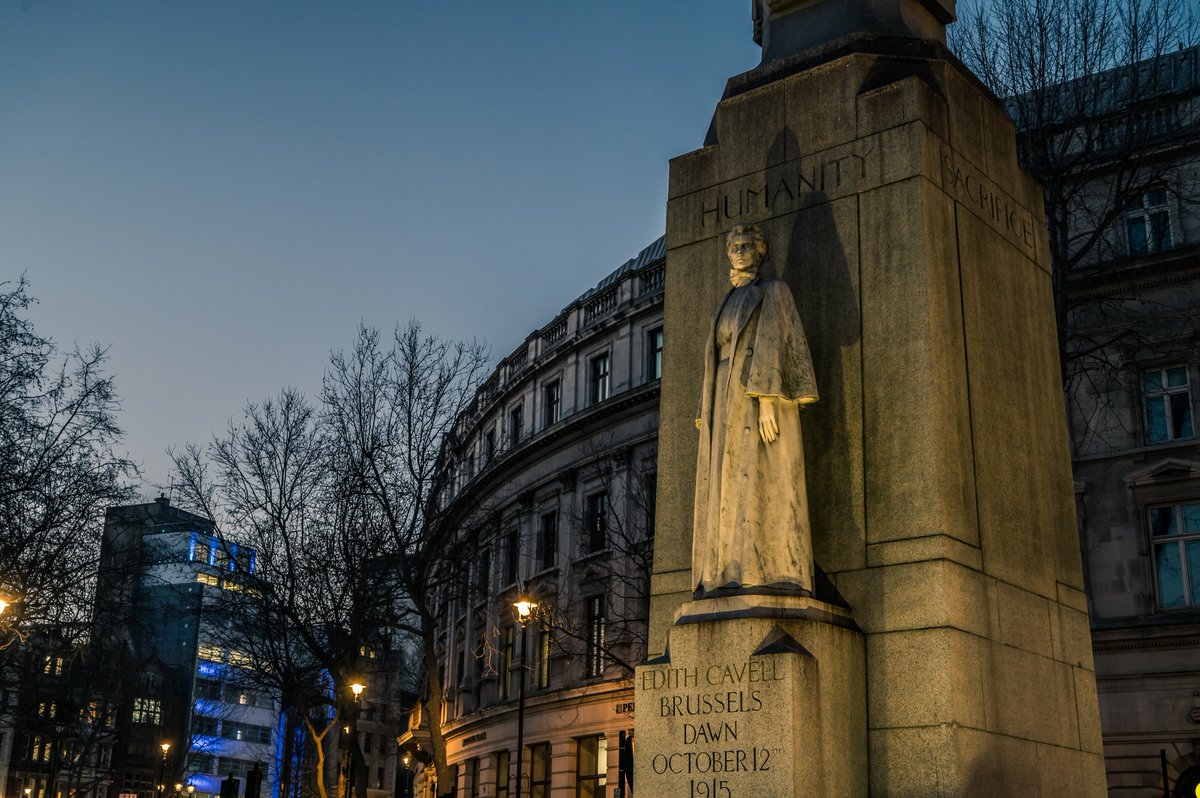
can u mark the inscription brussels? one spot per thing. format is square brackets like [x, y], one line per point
[713, 706]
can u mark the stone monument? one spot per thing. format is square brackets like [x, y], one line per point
[937, 644]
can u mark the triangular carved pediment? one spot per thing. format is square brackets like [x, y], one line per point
[1171, 469]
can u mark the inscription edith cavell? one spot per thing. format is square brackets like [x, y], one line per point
[719, 717]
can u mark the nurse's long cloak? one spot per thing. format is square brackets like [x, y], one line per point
[751, 506]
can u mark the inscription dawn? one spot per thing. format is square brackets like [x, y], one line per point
[719, 718]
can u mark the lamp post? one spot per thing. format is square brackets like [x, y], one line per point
[162, 768]
[351, 729]
[524, 608]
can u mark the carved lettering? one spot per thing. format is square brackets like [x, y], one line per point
[836, 171]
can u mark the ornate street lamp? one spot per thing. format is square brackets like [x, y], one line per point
[162, 768]
[524, 607]
[351, 730]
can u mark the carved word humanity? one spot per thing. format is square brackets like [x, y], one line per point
[810, 179]
[714, 706]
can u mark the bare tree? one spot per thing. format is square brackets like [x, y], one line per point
[1099, 91]
[339, 503]
[390, 410]
[59, 469]
[623, 533]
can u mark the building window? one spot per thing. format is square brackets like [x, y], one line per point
[1175, 535]
[654, 343]
[1148, 223]
[595, 636]
[516, 424]
[506, 662]
[599, 377]
[147, 711]
[201, 550]
[502, 775]
[489, 446]
[206, 726]
[542, 666]
[548, 539]
[484, 574]
[650, 502]
[512, 557]
[591, 767]
[245, 732]
[539, 770]
[53, 665]
[472, 778]
[1167, 397]
[595, 522]
[551, 401]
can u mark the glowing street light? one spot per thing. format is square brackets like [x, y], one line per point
[357, 688]
[3, 606]
[524, 607]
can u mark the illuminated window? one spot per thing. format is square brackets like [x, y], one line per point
[539, 770]
[1167, 398]
[201, 551]
[599, 379]
[502, 775]
[1175, 540]
[208, 579]
[595, 636]
[542, 666]
[147, 711]
[591, 767]
[1148, 223]
[53, 665]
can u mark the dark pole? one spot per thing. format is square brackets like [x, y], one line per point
[521, 710]
[1162, 758]
[162, 774]
[56, 744]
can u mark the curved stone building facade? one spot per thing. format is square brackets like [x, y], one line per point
[553, 484]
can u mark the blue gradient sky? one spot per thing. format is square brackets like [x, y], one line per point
[222, 190]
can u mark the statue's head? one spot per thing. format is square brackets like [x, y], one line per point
[746, 248]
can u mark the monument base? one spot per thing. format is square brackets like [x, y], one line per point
[757, 696]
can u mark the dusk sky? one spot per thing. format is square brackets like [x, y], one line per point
[221, 191]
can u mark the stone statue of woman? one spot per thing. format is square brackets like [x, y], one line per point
[751, 530]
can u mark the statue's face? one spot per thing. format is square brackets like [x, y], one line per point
[743, 255]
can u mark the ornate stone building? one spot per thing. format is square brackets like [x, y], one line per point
[553, 486]
[1132, 369]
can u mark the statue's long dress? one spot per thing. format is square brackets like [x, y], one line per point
[751, 509]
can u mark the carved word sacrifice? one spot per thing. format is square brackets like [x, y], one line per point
[988, 202]
[828, 174]
[713, 704]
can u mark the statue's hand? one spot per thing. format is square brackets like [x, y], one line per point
[768, 425]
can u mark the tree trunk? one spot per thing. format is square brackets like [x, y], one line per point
[433, 715]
